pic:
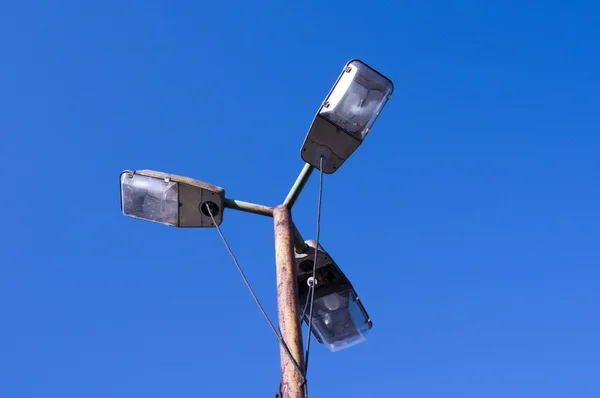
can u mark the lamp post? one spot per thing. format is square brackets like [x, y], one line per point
[339, 127]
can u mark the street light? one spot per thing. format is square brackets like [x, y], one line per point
[339, 318]
[346, 116]
[170, 199]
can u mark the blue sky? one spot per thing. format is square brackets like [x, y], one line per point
[478, 261]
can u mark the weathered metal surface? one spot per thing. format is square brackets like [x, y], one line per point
[292, 382]
[248, 207]
[298, 185]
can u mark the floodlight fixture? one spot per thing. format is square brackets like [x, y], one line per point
[346, 116]
[339, 318]
[170, 199]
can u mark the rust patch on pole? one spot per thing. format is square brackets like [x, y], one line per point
[288, 305]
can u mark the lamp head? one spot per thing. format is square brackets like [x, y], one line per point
[346, 116]
[170, 199]
[339, 318]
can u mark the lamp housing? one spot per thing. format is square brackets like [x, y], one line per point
[339, 318]
[346, 116]
[170, 199]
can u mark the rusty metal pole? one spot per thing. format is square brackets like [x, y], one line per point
[292, 382]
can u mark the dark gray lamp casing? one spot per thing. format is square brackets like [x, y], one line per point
[339, 317]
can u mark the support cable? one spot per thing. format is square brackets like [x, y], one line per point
[260, 307]
[314, 271]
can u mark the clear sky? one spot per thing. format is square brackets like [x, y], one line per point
[468, 221]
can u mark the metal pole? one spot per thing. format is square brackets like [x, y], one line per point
[262, 210]
[248, 207]
[299, 244]
[298, 185]
[292, 382]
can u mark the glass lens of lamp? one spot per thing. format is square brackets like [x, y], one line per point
[357, 99]
[150, 198]
[332, 302]
[343, 326]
